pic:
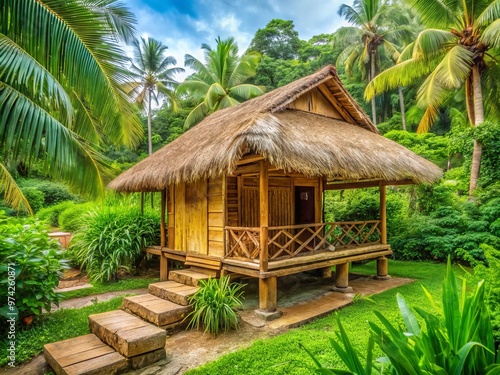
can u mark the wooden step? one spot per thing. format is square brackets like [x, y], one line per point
[83, 355]
[128, 334]
[187, 276]
[173, 291]
[156, 310]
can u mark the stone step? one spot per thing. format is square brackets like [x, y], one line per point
[187, 276]
[156, 310]
[129, 335]
[173, 291]
[83, 355]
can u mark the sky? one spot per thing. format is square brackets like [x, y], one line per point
[184, 25]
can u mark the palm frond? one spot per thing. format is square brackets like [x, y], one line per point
[196, 115]
[435, 13]
[491, 35]
[490, 14]
[245, 91]
[12, 194]
[430, 42]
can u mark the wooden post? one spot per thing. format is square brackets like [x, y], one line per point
[268, 296]
[163, 236]
[142, 203]
[264, 215]
[171, 217]
[326, 272]
[382, 268]
[342, 275]
[383, 215]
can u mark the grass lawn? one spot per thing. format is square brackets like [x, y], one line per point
[100, 288]
[282, 355]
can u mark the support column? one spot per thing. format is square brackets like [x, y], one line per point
[382, 266]
[268, 299]
[342, 278]
[163, 236]
[264, 215]
[382, 269]
[326, 272]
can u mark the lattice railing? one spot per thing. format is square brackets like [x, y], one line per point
[243, 242]
[291, 240]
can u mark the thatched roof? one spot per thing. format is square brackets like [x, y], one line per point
[289, 139]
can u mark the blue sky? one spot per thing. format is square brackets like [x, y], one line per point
[184, 25]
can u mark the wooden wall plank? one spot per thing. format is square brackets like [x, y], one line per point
[196, 217]
[180, 213]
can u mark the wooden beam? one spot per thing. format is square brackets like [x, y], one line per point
[264, 215]
[249, 159]
[383, 214]
[333, 100]
[163, 232]
[364, 184]
[268, 294]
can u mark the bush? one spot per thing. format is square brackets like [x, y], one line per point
[70, 220]
[53, 192]
[456, 339]
[34, 260]
[35, 198]
[51, 214]
[214, 305]
[111, 238]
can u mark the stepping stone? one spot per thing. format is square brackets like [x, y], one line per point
[155, 310]
[83, 355]
[187, 276]
[173, 291]
[128, 334]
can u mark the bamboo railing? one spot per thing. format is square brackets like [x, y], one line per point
[291, 240]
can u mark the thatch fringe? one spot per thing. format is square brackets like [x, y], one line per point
[292, 140]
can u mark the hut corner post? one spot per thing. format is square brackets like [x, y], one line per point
[382, 267]
[268, 287]
[163, 236]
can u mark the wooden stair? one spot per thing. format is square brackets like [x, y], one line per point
[188, 276]
[133, 337]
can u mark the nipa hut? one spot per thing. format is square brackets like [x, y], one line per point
[244, 188]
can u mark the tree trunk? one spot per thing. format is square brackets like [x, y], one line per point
[402, 107]
[150, 138]
[372, 75]
[478, 120]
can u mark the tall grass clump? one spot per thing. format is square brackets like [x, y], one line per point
[456, 338]
[214, 305]
[111, 238]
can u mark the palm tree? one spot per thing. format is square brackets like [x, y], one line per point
[459, 48]
[372, 29]
[219, 83]
[61, 91]
[154, 77]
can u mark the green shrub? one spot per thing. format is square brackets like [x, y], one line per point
[490, 272]
[70, 220]
[36, 198]
[53, 192]
[51, 214]
[111, 238]
[456, 339]
[214, 305]
[31, 266]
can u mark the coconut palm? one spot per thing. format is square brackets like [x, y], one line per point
[371, 29]
[220, 81]
[61, 90]
[154, 78]
[460, 47]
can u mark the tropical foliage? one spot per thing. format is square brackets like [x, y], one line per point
[30, 268]
[456, 339]
[153, 77]
[111, 238]
[61, 89]
[220, 81]
[214, 305]
[458, 49]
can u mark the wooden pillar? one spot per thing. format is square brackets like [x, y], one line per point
[326, 272]
[383, 215]
[163, 236]
[171, 217]
[268, 294]
[382, 267]
[264, 215]
[142, 203]
[342, 276]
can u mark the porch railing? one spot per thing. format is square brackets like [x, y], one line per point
[291, 240]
